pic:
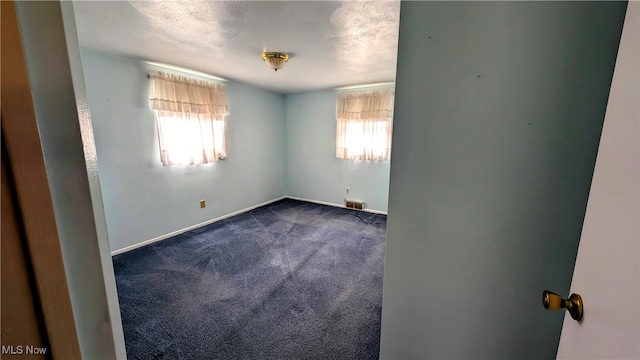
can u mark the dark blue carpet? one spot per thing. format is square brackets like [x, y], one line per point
[290, 280]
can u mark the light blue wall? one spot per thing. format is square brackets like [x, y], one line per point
[144, 199]
[498, 113]
[313, 170]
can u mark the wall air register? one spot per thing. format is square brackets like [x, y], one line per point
[354, 204]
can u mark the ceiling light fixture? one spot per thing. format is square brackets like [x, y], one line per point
[275, 60]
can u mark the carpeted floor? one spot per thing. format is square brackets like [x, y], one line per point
[290, 280]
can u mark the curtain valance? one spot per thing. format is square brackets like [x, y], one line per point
[175, 93]
[376, 104]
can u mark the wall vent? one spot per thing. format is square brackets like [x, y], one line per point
[354, 204]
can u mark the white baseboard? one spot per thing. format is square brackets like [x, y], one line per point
[334, 204]
[177, 232]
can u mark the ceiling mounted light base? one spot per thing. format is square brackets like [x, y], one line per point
[275, 60]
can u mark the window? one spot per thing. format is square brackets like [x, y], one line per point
[190, 139]
[364, 125]
[191, 119]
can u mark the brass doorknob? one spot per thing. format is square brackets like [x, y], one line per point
[553, 301]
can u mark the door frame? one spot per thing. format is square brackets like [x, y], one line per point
[33, 197]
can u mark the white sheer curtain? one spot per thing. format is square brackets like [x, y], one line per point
[190, 139]
[191, 118]
[364, 125]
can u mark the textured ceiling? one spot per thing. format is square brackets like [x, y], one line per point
[330, 43]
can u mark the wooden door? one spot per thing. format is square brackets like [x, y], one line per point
[21, 319]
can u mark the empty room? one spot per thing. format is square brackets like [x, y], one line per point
[230, 138]
[320, 179]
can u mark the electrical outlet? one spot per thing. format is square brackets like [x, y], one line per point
[347, 190]
[203, 204]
